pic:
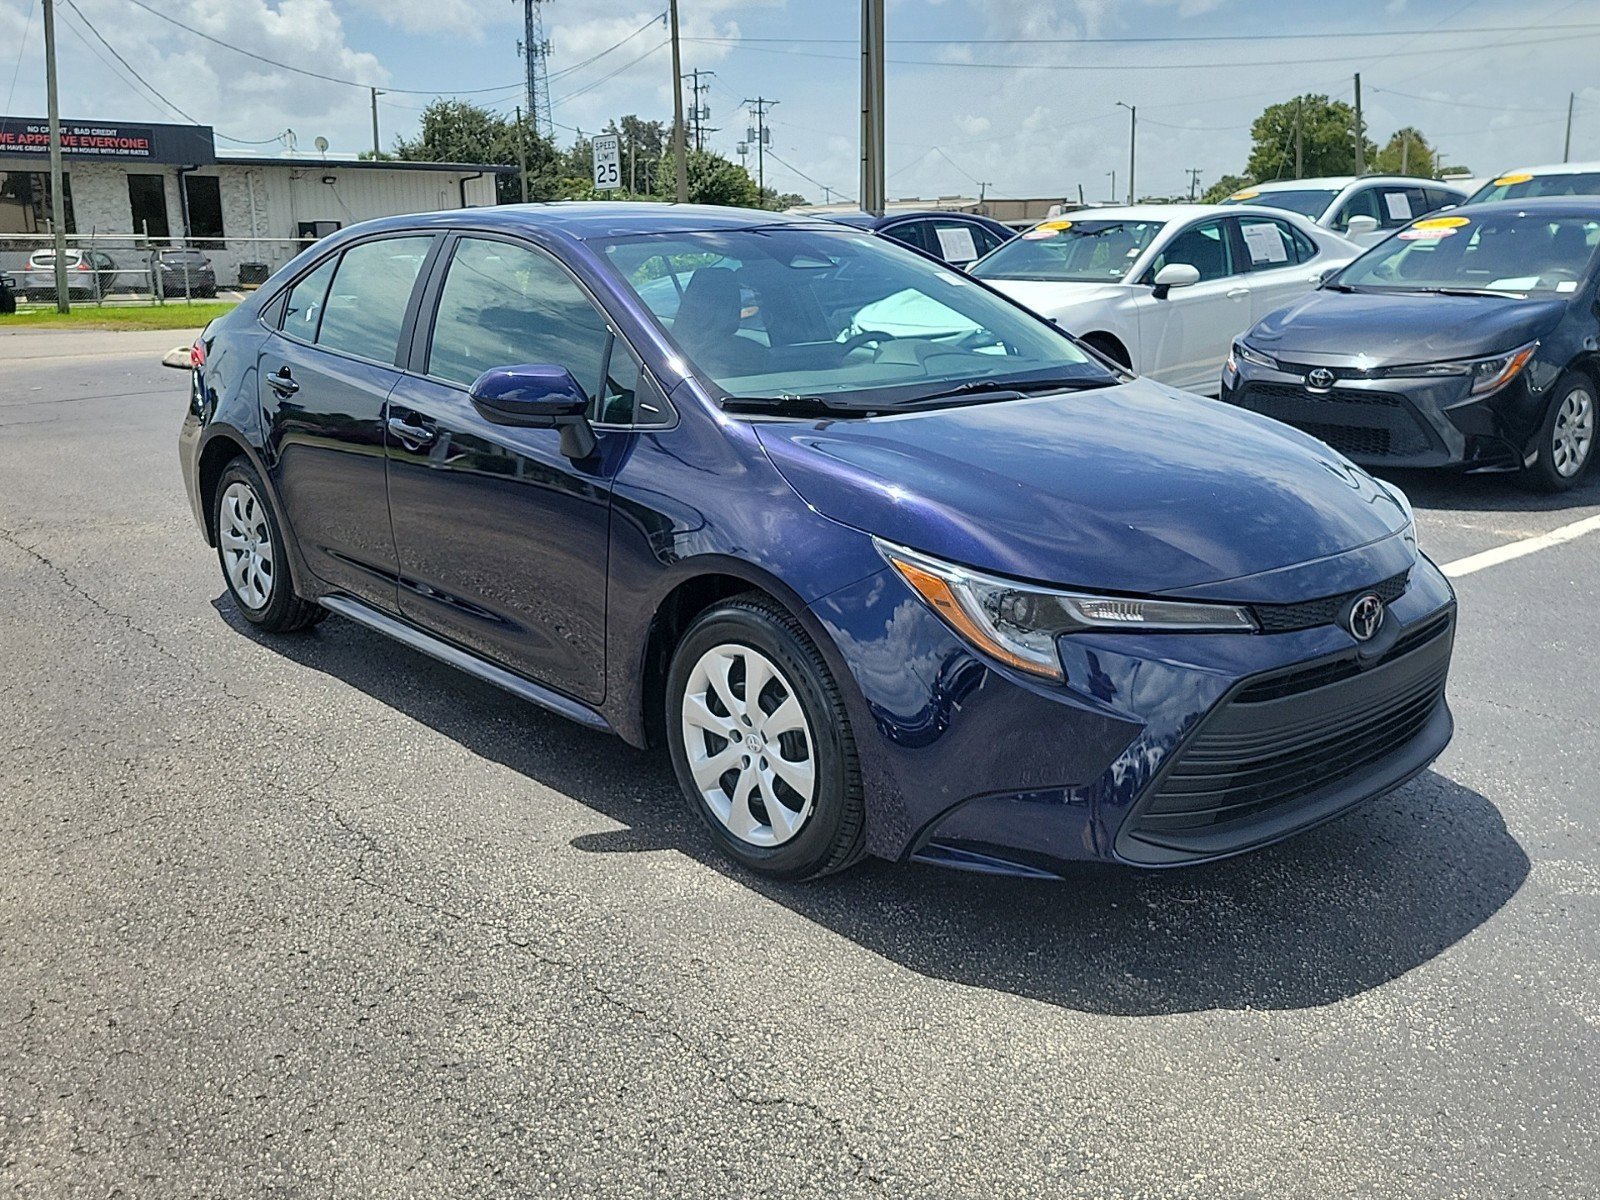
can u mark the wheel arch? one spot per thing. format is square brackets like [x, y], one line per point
[224, 443]
[1109, 344]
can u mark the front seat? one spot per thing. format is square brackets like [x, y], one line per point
[707, 325]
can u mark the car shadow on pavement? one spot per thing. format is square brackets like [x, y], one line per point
[1488, 493]
[1322, 917]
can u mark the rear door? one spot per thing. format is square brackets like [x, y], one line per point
[1185, 337]
[502, 539]
[323, 377]
[1282, 263]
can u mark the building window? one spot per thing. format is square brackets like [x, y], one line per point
[147, 199]
[25, 202]
[202, 194]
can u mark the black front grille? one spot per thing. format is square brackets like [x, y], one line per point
[1298, 733]
[1359, 423]
[1283, 618]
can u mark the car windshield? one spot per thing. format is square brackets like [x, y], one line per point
[1521, 185]
[1071, 251]
[1308, 202]
[1515, 253]
[839, 318]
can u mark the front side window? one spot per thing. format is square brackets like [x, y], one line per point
[1507, 253]
[367, 301]
[1360, 204]
[911, 233]
[1205, 247]
[807, 312]
[505, 305]
[303, 312]
[1072, 251]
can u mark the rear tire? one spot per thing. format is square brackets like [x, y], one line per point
[773, 775]
[254, 558]
[1567, 438]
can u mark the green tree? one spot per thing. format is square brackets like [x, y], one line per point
[1408, 153]
[712, 179]
[1223, 188]
[1324, 131]
[456, 131]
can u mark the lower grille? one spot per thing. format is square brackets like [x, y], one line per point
[1359, 423]
[1299, 733]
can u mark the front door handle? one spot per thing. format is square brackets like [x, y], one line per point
[415, 437]
[1238, 293]
[282, 382]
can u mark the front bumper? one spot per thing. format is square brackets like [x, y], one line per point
[1159, 749]
[1393, 422]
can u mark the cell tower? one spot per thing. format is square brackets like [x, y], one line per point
[535, 50]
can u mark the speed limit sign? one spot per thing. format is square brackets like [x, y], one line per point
[607, 162]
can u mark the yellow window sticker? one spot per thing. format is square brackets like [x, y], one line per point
[1514, 177]
[1442, 223]
[1247, 194]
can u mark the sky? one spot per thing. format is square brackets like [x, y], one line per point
[1020, 96]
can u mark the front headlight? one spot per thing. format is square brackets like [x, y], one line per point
[1018, 623]
[1487, 374]
[1249, 354]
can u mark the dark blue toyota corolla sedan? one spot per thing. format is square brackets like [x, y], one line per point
[964, 593]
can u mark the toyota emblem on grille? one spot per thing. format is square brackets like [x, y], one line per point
[1364, 617]
[1320, 378]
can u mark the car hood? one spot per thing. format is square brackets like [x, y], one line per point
[1330, 328]
[1050, 297]
[1136, 488]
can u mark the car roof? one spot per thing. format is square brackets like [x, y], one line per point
[866, 220]
[584, 219]
[1567, 168]
[1165, 213]
[1340, 182]
[1541, 206]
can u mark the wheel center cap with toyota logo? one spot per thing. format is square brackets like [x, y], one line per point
[1365, 617]
[1321, 379]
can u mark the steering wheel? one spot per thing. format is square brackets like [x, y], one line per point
[866, 337]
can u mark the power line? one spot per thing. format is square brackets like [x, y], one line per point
[589, 87]
[811, 181]
[1465, 104]
[1164, 39]
[565, 71]
[22, 45]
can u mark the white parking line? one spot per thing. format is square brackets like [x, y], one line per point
[1500, 554]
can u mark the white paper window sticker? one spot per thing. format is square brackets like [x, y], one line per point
[1265, 242]
[956, 244]
[1567, 285]
[1398, 204]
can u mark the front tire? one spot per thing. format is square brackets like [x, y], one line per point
[761, 743]
[1567, 438]
[251, 549]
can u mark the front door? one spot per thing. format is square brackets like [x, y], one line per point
[502, 539]
[1184, 337]
[323, 378]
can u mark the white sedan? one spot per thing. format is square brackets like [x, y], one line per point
[1166, 288]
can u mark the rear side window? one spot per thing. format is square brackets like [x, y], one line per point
[1399, 206]
[367, 301]
[1273, 244]
[504, 305]
[958, 242]
[304, 308]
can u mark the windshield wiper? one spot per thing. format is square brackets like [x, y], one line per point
[1015, 389]
[1467, 291]
[796, 406]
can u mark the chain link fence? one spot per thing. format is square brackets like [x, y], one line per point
[126, 269]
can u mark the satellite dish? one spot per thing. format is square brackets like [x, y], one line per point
[321, 144]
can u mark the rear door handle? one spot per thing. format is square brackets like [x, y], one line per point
[282, 382]
[414, 436]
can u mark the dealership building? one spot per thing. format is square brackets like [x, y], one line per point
[133, 188]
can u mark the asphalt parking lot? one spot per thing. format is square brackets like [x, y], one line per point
[316, 916]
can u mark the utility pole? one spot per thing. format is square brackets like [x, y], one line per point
[1361, 133]
[58, 200]
[535, 50]
[1566, 149]
[377, 149]
[1405, 151]
[678, 151]
[699, 113]
[762, 137]
[522, 154]
[1113, 175]
[1133, 133]
[1194, 182]
[1299, 140]
[873, 184]
[983, 191]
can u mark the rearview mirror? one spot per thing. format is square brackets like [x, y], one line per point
[1360, 226]
[537, 396]
[1175, 275]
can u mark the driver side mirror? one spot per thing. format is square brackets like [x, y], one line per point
[1361, 226]
[1326, 274]
[537, 396]
[1175, 275]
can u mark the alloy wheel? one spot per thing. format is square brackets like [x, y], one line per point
[246, 541]
[1573, 436]
[749, 745]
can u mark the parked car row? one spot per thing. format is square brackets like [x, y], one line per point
[93, 274]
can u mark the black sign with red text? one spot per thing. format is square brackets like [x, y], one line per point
[183, 144]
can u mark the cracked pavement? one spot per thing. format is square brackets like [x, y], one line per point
[317, 916]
